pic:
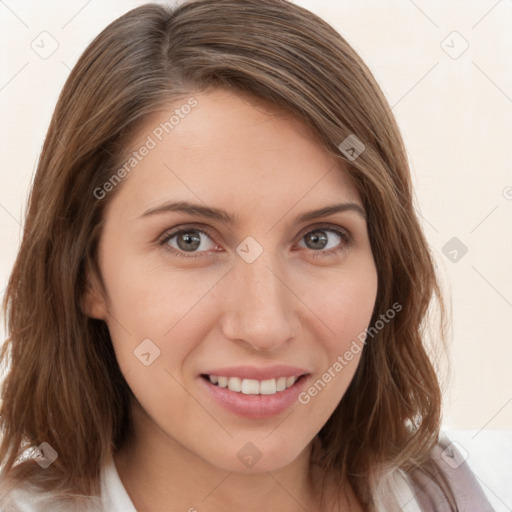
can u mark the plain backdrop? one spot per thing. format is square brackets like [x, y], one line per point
[446, 70]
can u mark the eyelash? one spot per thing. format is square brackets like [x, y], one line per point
[342, 233]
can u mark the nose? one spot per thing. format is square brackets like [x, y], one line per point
[261, 308]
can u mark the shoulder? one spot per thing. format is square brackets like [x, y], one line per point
[23, 496]
[393, 491]
[451, 460]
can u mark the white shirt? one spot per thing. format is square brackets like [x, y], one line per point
[489, 453]
[114, 497]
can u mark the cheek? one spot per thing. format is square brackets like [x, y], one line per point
[154, 327]
[351, 310]
[344, 302]
[155, 311]
[343, 309]
[151, 299]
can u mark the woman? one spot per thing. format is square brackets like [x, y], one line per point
[218, 299]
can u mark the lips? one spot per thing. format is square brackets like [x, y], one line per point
[247, 402]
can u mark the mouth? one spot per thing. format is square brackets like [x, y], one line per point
[253, 386]
[252, 398]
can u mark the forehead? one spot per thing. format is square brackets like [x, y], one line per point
[230, 148]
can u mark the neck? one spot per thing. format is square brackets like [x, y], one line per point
[160, 474]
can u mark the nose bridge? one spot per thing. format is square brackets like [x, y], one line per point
[261, 284]
[261, 305]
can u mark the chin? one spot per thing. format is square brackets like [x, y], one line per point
[257, 457]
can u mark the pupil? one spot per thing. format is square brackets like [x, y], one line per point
[315, 237]
[187, 238]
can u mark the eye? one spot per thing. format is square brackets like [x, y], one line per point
[318, 240]
[187, 241]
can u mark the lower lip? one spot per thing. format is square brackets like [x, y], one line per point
[255, 406]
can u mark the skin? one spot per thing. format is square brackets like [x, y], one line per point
[286, 307]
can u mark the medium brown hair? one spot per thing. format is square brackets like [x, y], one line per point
[63, 384]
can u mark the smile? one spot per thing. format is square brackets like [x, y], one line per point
[252, 398]
[253, 386]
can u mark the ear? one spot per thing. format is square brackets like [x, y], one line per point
[93, 300]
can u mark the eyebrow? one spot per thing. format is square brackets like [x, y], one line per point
[229, 219]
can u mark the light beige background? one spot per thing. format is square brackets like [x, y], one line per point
[455, 113]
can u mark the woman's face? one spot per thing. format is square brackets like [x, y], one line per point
[271, 294]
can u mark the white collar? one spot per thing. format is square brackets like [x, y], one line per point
[116, 499]
[113, 494]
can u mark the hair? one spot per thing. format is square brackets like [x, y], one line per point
[63, 385]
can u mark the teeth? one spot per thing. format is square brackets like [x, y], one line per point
[235, 384]
[281, 384]
[268, 387]
[249, 387]
[290, 381]
[252, 386]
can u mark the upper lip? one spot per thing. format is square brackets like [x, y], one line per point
[253, 372]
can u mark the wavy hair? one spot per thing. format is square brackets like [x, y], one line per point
[63, 384]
